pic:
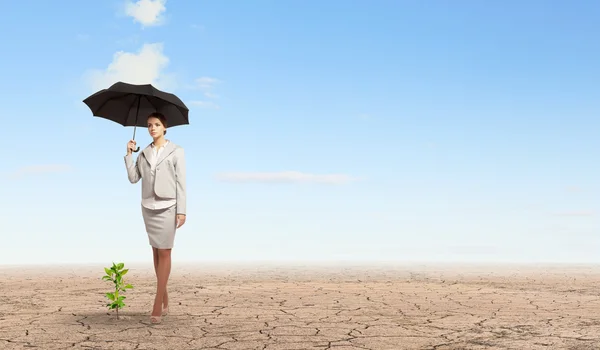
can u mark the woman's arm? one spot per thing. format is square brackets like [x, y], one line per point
[180, 181]
[133, 172]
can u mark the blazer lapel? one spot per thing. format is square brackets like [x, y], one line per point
[147, 152]
[169, 148]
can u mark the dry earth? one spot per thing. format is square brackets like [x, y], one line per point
[300, 307]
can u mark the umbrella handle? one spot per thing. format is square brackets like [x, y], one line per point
[135, 127]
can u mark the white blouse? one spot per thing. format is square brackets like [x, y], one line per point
[156, 202]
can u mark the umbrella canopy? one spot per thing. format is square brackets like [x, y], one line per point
[130, 104]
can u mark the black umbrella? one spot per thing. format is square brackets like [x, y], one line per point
[123, 103]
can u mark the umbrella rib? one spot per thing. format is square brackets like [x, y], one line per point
[110, 99]
[131, 106]
[150, 102]
[156, 108]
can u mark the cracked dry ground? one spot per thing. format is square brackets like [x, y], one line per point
[335, 307]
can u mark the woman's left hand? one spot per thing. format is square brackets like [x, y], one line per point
[180, 220]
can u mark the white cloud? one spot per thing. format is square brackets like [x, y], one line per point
[285, 177]
[147, 12]
[40, 169]
[574, 189]
[206, 84]
[144, 67]
[575, 213]
[204, 104]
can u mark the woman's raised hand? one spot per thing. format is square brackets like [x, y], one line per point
[130, 146]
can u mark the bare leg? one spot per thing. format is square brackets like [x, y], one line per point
[165, 300]
[162, 273]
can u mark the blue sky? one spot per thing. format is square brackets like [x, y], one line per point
[363, 130]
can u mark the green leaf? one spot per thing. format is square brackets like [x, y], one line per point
[108, 271]
[110, 296]
[107, 278]
[129, 286]
[120, 266]
[124, 272]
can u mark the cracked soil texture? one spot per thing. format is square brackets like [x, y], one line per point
[334, 307]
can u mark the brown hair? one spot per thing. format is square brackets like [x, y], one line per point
[160, 117]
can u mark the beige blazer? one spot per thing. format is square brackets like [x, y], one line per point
[169, 178]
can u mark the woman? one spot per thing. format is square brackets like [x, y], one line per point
[161, 167]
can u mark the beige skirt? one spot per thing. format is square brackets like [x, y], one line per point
[161, 225]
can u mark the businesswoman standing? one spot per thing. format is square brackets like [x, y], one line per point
[161, 167]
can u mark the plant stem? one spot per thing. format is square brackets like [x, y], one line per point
[117, 296]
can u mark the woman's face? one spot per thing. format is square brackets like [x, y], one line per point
[155, 127]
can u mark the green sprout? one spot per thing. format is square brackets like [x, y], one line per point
[115, 274]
